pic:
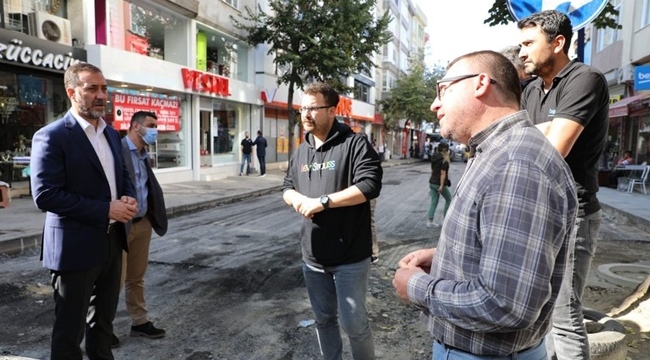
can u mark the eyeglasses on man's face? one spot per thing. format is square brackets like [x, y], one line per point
[453, 80]
[312, 109]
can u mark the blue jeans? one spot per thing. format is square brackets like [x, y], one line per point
[442, 352]
[433, 191]
[568, 337]
[245, 159]
[339, 295]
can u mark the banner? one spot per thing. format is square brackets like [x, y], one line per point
[167, 111]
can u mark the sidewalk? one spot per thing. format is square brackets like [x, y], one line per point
[21, 223]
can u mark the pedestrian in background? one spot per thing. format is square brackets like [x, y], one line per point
[569, 103]
[246, 150]
[78, 177]
[488, 289]
[439, 183]
[260, 148]
[330, 179]
[152, 215]
[512, 53]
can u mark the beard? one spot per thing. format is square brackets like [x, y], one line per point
[88, 111]
[540, 68]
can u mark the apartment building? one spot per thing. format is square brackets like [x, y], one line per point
[409, 39]
[623, 55]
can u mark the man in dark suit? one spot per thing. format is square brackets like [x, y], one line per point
[152, 215]
[260, 147]
[79, 178]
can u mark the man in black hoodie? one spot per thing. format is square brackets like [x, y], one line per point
[331, 178]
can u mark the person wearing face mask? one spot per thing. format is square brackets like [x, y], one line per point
[152, 215]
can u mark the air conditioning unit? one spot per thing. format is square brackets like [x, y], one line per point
[53, 28]
[626, 73]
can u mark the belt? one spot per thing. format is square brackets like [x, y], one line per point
[511, 356]
[137, 220]
[112, 227]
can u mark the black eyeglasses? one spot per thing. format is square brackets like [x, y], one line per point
[453, 80]
[313, 109]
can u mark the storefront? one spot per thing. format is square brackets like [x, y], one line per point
[32, 95]
[630, 127]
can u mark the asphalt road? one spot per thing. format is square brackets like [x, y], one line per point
[226, 283]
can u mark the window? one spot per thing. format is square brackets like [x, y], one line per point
[388, 82]
[645, 17]
[361, 91]
[233, 3]
[609, 36]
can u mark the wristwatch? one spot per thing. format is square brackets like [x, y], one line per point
[325, 201]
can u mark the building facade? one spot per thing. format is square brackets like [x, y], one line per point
[623, 56]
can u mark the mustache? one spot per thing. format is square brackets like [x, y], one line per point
[99, 103]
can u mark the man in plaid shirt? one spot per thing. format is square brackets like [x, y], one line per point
[489, 287]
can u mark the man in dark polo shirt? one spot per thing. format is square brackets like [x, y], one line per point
[569, 103]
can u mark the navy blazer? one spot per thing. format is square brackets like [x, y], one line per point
[156, 209]
[68, 182]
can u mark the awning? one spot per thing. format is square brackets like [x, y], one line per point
[621, 108]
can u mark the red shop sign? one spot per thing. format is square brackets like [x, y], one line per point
[167, 111]
[204, 82]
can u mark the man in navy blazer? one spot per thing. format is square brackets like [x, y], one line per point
[78, 177]
[151, 216]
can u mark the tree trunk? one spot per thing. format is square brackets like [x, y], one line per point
[292, 117]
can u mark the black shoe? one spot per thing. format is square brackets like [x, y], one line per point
[374, 259]
[147, 330]
[115, 342]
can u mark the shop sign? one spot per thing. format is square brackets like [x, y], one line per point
[205, 82]
[642, 78]
[615, 98]
[344, 108]
[20, 49]
[167, 111]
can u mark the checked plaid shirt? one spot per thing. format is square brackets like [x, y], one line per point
[504, 244]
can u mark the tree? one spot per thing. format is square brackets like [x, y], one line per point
[412, 96]
[499, 15]
[317, 40]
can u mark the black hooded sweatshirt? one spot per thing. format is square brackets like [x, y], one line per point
[336, 236]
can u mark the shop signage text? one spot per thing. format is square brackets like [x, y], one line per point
[21, 49]
[204, 82]
[642, 78]
[344, 108]
[167, 111]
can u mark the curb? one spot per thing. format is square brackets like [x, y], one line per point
[626, 217]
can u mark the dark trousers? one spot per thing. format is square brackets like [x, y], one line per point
[86, 302]
[614, 175]
[262, 164]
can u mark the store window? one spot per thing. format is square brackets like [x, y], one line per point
[139, 27]
[27, 103]
[220, 54]
[171, 149]
[45, 19]
[221, 131]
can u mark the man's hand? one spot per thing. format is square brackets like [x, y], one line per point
[309, 206]
[123, 210]
[401, 280]
[418, 259]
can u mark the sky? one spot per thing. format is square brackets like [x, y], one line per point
[456, 27]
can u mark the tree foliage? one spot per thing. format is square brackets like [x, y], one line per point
[316, 41]
[499, 15]
[412, 96]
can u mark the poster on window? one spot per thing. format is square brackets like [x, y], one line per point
[167, 111]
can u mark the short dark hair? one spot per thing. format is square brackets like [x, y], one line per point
[552, 23]
[331, 96]
[140, 116]
[500, 69]
[259, 132]
[628, 152]
[71, 76]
